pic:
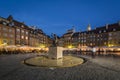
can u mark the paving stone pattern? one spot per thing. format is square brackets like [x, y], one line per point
[99, 68]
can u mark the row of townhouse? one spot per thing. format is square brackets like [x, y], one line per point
[13, 32]
[105, 36]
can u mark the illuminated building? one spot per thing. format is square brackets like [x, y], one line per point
[13, 32]
[7, 32]
[105, 36]
[66, 39]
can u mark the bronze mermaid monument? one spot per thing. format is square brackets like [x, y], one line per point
[55, 52]
[55, 40]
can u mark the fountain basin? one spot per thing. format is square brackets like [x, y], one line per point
[43, 61]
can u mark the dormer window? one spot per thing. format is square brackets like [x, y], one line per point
[12, 23]
[22, 26]
[32, 32]
[4, 23]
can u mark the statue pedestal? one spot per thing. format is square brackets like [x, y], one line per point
[55, 52]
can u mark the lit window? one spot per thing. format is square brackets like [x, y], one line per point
[22, 37]
[91, 44]
[5, 35]
[18, 30]
[104, 30]
[26, 32]
[4, 29]
[18, 36]
[84, 40]
[10, 30]
[22, 31]
[4, 41]
[81, 40]
[114, 29]
[110, 38]
[26, 37]
[105, 43]
[10, 42]
[11, 35]
[110, 34]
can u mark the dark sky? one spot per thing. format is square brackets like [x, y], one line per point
[56, 16]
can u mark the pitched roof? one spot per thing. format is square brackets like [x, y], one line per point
[76, 34]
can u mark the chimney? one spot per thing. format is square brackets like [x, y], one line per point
[119, 23]
[80, 30]
[10, 18]
[106, 26]
[73, 27]
[23, 22]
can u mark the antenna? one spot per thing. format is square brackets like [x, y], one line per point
[73, 27]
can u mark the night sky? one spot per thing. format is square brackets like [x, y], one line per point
[56, 16]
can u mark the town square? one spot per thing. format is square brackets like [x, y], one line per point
[59, 40]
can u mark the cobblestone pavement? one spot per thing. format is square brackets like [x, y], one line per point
[97, 68]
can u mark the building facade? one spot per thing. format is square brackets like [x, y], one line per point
[13, 32]
[66, 39]
[105, 36]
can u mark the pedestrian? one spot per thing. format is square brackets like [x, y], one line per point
[93, 52]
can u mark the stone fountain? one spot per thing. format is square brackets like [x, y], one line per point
[54, 58]
[55, 52]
